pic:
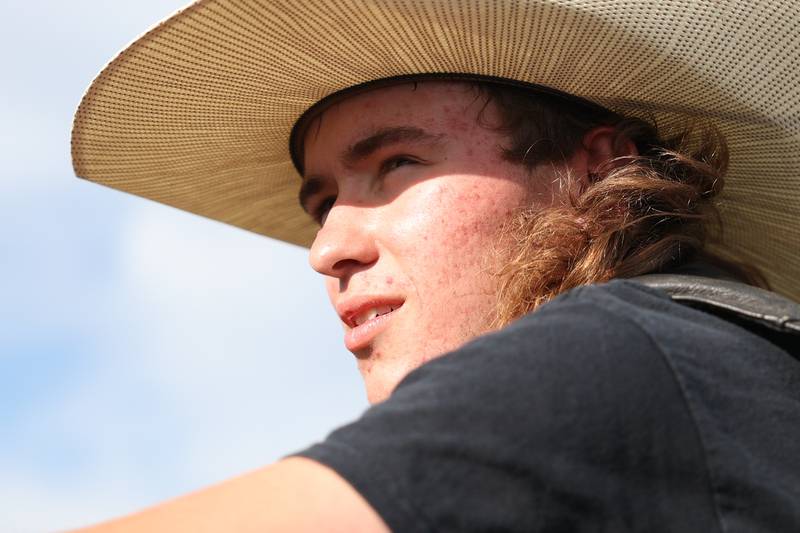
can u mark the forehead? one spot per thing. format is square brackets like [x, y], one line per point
[438, 107]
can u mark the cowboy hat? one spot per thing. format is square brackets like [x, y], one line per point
[197, 113]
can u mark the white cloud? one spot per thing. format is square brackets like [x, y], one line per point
[193, 351]
[237, 338]
[30, 506]
[234, 299]
[215, 353]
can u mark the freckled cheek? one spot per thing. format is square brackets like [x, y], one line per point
[451, 228]
[480, 212]
[415, 232]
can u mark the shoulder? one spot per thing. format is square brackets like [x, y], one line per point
[548, 422]
[578, 373]
[570, 370]
[588, 333]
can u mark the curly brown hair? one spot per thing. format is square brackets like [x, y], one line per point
[645, 213]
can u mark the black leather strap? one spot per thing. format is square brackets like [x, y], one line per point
[749, 303]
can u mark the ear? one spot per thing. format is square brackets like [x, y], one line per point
[601, 150]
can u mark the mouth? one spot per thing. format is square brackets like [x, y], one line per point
[372, 313]
[366, 321]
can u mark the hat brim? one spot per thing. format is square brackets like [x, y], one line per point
[197, 113]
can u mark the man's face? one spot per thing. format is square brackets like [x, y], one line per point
[411, 191]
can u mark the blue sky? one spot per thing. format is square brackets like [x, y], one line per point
[144, 352]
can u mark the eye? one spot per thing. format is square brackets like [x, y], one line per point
[396, 162]
[320, 213]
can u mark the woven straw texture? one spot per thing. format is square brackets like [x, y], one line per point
[197, 112]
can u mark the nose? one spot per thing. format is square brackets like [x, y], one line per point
[345, 243]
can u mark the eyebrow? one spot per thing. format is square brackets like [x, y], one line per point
[384, 137]
[363, 149]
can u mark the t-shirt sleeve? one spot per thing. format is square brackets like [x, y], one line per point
[568, 420]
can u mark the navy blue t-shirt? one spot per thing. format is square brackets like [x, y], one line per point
[611, 408]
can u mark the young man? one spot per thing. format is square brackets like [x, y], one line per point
[456, 186]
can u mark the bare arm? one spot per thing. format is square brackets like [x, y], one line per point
[295, 494]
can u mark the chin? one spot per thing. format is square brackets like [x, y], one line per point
[382, 373]
[379, 389]
[381, 376]
[377, 396]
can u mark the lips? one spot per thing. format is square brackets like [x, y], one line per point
[365, 318]
[372, 313]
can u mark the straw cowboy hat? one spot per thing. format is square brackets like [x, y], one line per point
[197, 113]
